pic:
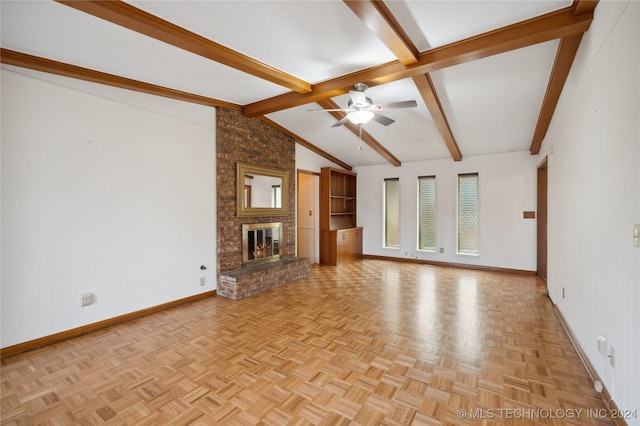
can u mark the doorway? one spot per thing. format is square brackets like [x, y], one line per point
[541, 269]
[308, 221]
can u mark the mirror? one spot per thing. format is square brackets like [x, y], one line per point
[262, 191]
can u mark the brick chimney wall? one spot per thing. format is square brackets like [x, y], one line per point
[249, 140]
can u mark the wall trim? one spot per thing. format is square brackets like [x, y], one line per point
[606, 396]
[75, 332]
[307, 172]
[452, 265]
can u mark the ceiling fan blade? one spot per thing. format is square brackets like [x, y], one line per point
[336, 109]
[341, 122]
[394, 105]
[357, 97]
[385, 121]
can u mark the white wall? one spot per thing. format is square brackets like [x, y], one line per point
[310, 161]
[507, 188]
[100, 196]
[593, 146]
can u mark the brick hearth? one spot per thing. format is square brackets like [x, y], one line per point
[245, 282]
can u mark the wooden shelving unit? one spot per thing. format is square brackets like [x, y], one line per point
[340, 237]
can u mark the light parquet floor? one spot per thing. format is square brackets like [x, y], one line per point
[369, 342]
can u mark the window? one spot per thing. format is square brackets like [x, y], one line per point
[468, 213]
[392, 213]
[427, 213]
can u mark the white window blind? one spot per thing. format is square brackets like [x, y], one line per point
[392, 213]
[468, 213]
[427, 213]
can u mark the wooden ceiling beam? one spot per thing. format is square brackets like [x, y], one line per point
[363, 134]
[382, 23]
[379, 19]
[427, 91]
[561, 67]
[306, 143]
[23, 60]
[565, 56]
[584, 6]
[562, 23]
[127, 16]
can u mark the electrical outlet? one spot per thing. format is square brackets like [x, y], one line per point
[441, 249]
[201, 281]
[612, 357]
[87, 299]
[563, 292]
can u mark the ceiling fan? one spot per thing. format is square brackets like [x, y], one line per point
[361, 109]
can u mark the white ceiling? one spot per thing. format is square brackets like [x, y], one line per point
[491, 104]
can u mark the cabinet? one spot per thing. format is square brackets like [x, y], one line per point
[340, 237]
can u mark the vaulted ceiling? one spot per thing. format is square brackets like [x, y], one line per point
[486, 74]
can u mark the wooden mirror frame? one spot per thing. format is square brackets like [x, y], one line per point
[244, 169]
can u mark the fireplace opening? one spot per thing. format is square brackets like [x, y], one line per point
[260, 243]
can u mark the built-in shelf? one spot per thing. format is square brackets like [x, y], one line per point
[340, 238]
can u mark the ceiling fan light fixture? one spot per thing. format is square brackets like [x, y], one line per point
[360, 117]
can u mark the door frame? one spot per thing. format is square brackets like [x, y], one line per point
[542, 208]
[316, 221]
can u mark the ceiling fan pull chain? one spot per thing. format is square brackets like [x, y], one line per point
[360, 148]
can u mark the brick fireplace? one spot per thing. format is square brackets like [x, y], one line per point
[250, 140]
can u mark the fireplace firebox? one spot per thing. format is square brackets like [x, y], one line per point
[261, 243]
